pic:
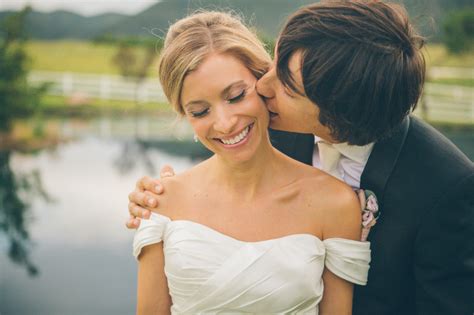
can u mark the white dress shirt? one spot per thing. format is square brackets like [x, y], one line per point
[351, 163]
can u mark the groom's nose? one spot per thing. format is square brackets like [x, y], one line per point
[265, 86]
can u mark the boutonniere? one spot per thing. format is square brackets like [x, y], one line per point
[370, 211]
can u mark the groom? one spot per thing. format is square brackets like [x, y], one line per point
[346, 76]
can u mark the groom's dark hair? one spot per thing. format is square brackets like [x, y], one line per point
[361, 65]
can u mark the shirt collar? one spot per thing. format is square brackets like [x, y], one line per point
[357, 153]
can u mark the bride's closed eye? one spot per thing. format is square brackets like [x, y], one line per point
[200, 113]
[232, 100]
[237, 98]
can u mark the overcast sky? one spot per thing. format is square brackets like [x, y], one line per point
[84, 7]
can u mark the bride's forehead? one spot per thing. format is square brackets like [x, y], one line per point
[221, 65]
[217, 73]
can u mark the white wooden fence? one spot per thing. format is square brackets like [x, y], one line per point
[96, 86]
[440, 102]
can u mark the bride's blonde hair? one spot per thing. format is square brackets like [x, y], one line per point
[190, 40]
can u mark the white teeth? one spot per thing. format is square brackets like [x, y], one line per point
[237, 138]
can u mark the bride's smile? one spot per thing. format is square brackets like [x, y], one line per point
[236, 140]
[226, 113]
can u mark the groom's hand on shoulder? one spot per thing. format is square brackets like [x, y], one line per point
[145, 197]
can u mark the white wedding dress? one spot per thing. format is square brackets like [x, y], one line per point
[211, 273]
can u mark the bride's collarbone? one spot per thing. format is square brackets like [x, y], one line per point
[265, 219]
[281, 211]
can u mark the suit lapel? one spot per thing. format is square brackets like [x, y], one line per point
[306, 142]
[382, 161]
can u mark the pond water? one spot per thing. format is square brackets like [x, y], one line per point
[73, 221]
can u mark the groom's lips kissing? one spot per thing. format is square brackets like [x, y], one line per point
[272, 114]
[237, 139]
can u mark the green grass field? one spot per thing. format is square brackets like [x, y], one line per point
[73, 56]
[57, 106]
[436, 55]
[86, 57]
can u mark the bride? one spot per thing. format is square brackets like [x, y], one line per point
[232, 234]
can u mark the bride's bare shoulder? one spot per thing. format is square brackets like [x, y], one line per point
[330, 200]
[177, 191]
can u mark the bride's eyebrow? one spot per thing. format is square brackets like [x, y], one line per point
[224, 94]
[197, 102]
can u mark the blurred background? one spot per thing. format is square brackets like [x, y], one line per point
[82, 117]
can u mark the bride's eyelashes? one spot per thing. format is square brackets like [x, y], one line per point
[237, 98]
[233, 100]
[200, 113]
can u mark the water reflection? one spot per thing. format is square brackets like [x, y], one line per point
[81, 245]
[138, 152]
[17, 190]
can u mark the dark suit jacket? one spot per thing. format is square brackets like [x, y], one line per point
[423, 244]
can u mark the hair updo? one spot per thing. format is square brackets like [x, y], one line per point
[192, 39]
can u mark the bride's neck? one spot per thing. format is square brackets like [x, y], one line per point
[246, 179]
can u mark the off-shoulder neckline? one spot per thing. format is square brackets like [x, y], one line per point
[280, 238]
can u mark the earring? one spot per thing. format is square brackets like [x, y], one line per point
[196, 139]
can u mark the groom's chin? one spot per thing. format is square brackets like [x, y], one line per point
[276, 125]
[272, 123]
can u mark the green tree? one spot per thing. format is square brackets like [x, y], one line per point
[459, 30]
[134, 57]
[17, 98]
[268, 42]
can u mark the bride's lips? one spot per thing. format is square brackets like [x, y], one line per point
[245, 135]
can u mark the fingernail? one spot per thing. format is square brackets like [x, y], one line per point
[166, 174]
[146, 214]
[136, 222]
[157, 188]
[151, 202]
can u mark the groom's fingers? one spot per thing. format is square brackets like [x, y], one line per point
[143, 199]
[166, 171]
[133, 223]
[137, 212]
[148, 183]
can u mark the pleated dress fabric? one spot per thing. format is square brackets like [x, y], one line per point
[211, 273]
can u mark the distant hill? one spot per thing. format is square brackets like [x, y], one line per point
[266, 15]
[64, 24]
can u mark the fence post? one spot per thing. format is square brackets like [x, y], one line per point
[104, 87]
[67, 84]
[142, 93]
[472, 110]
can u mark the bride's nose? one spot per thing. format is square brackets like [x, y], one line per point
[225, 121]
